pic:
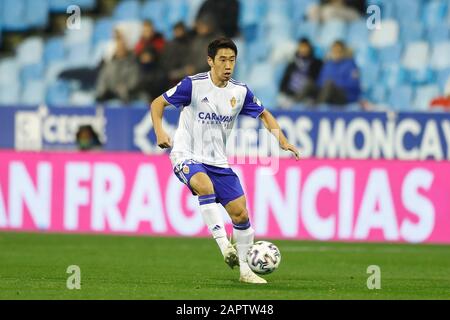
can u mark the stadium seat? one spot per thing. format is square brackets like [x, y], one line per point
[308, 30]
[357, 35]
[440, 56]
[156, 11]
[370, 73]
[411, 31]
[442, 77]
[393, 76]
[262, 74]
[54, 50]
[283, 53]
[378, 93]
[127, 10]
[435, 12]
[194, 6]
[299, 9]
[75, 37]
[36, 13]
[32, 72]
[400, 98]
[103, 30]
[439, 32]
[13, 15]
[53, 70]
[82, 98]
[30, 51]
[390, 55]
[416, 55]
[33, 93]
[79, 56]
[413, 9]
[179, 11]
[58, 94]
[9, 71]
[424, 95]
[10, 94]
[331, 31]
[386, 36]
[251, 11]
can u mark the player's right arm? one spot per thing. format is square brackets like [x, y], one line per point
[156, 110]
[178, 96]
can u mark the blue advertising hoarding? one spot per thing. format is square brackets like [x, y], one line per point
[359, 135]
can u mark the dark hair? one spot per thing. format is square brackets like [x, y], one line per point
[221, 43]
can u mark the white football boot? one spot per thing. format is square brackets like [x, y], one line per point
[230, 256]
[250, 277]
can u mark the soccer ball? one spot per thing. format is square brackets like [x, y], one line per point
[263, 257]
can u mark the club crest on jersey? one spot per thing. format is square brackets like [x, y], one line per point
[233, 102]
[185, 169]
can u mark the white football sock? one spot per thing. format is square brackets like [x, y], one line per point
[213, 219]
[244, 240]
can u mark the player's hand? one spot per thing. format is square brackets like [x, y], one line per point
[163, 140]
[291, 148]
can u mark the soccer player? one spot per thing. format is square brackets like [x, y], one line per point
[210, 103]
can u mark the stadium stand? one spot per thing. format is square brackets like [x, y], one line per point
[402, 66]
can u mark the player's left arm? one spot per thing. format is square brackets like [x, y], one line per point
[272, 125]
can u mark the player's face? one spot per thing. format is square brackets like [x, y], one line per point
[223, 64]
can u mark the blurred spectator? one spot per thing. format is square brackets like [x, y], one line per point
[205, 32]
[443, 101]
[87, 139]
[339, 78]
[118, 77]
[225, 12]
[152, 77]
[346, 10]
[300, 76]
[149, 38]
[173, 62]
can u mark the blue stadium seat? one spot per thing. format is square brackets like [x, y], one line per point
[30, 51]
[421, 76]
[442, 77]
[13, 15]
[10, 94]
[156, 11]
[32, 72]
[58, 94]
[127, 10]
[440, 56]
[424, 95]
[393, 76]
[251, 11]
[387, 35]
[411, 31]
[357, 35]
[84, 34]
[416, 55]
[54, 50]
[33, 93]
[37, 13]
[331, 31]
[412, 8]
[370, 73]
[82, 98]
[435, 12]
[299, 9]
[438, 32]
[400, 98]
[179, 11]
[390, 55]
[103, 30]
[61, 6]
[308, 30]
[9, 71]
[378, 93]
[79, 56]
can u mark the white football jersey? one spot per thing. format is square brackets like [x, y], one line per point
[207, 116]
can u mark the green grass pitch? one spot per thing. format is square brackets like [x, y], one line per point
[33, 266]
